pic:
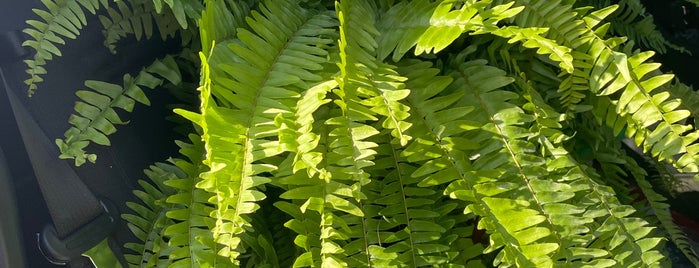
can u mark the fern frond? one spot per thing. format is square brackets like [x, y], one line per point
[61, 19]
[175, 219]
[408, 225]
[431, 27]
[443, 154]
[604, 70]
[688, 96]
[149, 221]
[189, 237]
[96, 116]
[544, 206]
[185, 11]
[223, 18]
[633, 21]
[135, 17]
[642, 109]
[274, 69]
[533, 38]
[662, 211]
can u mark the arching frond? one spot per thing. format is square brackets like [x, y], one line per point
[315, 150]
[178, 216]
[274, 69]
[431, 27]
[662, 211]
[135, 17]
[96, 117]
[407, 226]
[185, 11]
[61, 19]
[633, 21]
[149, 220]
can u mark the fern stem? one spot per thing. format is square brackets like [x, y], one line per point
[399, 173]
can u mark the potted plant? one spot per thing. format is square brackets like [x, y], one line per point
[394, 133]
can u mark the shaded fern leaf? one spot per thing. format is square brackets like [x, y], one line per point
[662, 211]
[633, 21]
[149, 220]
[135, 17]
[275, 60]
[61, 19]
[408, 225]
[96, 116]
[185, 11]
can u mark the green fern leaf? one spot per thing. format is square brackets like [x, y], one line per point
[662, 211]
[431, 27]
[64, 19]
[185, 11]
[149, 221]
[632, 20]
[409, 226]
[264, 84]
[135, 18]
[96, 116]
[189, 237]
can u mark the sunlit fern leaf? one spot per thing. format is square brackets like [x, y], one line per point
[569, 29]
[274, 69]
[635, 242]
[311, 193]
[431, 27]
[442, 154]
[191, 241]
[61, 19]
[688, 96]
[537, 222]
[605, 70]
[136, 18]
[96, 117]
[296, 134]
[317, 206]
[532, 38]
[653, 119]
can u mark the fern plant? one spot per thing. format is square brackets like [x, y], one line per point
[417, 133]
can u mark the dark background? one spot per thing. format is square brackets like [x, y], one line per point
[146, 139]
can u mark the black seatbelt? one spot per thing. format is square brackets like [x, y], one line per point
[80, 220]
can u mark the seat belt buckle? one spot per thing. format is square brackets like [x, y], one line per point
[61, 251]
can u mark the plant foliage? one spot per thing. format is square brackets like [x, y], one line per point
[419, 133]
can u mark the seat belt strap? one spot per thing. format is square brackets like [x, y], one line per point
[80, 220]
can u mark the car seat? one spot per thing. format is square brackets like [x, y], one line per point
[84, 203]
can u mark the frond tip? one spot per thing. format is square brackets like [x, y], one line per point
[61, 19]
[95, 117]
